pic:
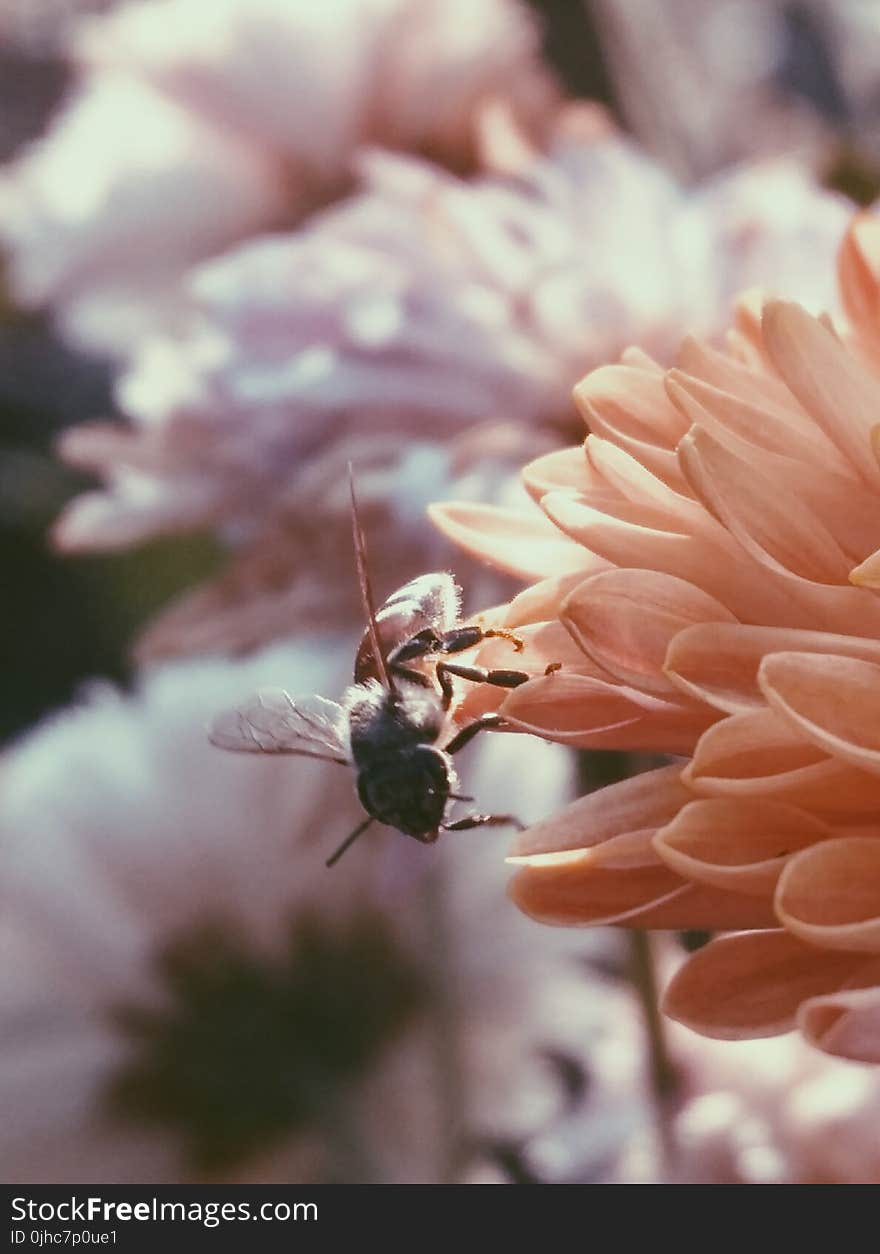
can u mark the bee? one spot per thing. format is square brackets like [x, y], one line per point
[393, 725]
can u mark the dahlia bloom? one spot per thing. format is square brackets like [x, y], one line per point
[194, 127]
[712, 559]
[188, 994]
[389, 327]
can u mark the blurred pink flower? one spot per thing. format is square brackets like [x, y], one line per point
[194, 126]
[774, 1112]
[408, 315]
[127, 838]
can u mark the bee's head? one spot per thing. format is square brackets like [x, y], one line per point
[408, 791]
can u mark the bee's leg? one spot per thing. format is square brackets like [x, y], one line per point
[487, 722]
[477, 675]
[466, 637]
[419, 645]
[483, 820]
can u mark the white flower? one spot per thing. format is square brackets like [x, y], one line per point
[424, 306]
[159, 1023]
[193, 127]
[775, 1112]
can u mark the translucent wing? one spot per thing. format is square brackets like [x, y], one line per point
[275, 722]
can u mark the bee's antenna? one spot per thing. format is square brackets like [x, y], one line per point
[360, 553]
[349, 840]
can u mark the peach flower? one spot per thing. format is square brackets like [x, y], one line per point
[711, 559]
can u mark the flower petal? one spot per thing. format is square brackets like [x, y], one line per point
[837, 392]
[759, 754]
[643, 802]
[830, 895]
[576, 894]
[858, 268]
[833, 701]
[845, 1023]
[561, 469]
[768, 520]
[541, 601]
[592, 713]
[523, 544]
[576, 889]
[738, 846]
[751, 985]
[628, 405]
[624, 620]
[769, 428]
[728, 375]
[719, 662]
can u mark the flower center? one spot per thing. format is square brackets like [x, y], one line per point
[249, 1050]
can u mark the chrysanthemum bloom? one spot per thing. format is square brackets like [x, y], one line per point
[389, 328]
[775, 1112]
[189, 994]
[712, 563]
[194, 126]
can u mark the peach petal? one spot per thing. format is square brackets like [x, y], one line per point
[573, 891]
[768, 428]
[759, 753]
[563, 468]
[746, 339]
[627, 534]
[829, 895]
[643, 802]
[832, 701]
[635, 356]
[591, 713]
[837, 392]
[768, 520]
[738, 846]
[629, 401]
[631, 479]
[727, 375]
[858, 268]
[750, 985]
[510, 540]
[541, 601]
[845, 1024]
[703, 906]
[719, 662]
[575, 894]
[867, 573]
[625, 619]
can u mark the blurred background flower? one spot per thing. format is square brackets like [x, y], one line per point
[245, 244]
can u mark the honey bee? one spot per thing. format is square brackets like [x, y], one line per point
[393, 724]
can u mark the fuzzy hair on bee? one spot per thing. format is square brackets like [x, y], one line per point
[393, 725]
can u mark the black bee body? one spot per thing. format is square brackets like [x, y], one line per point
[403, 779]
[393, 725]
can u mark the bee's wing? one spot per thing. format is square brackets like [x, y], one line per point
[275, 722]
